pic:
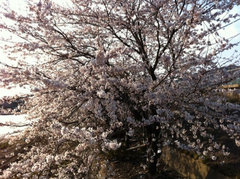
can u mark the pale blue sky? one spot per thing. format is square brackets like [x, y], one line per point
[231, 31]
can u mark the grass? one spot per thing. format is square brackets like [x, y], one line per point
[233, 97]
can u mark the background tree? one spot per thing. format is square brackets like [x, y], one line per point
[110, 75]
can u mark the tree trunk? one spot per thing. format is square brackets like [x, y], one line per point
[153, 154]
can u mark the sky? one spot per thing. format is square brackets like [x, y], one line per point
[12, 124]
[14, 91]
[19, 6]
[232, 31]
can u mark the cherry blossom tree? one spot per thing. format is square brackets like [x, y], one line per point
[111, 75]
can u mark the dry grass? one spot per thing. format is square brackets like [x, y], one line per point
[233, 97]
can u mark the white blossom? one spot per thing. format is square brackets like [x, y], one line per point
[237, 142]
